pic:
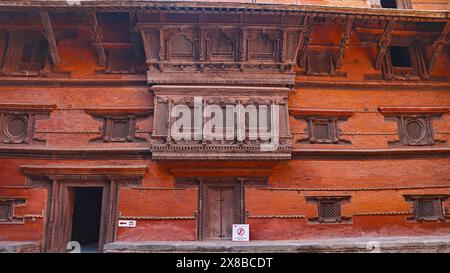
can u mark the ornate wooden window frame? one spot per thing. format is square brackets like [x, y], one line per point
[330, 117]
[12, 203]
[420, 115]
[418, 69]
[12, 64]
[336, 201]
[401, 4]
[28, 113]
[111, 115]
[437, 202]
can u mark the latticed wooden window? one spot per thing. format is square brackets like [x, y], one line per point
[322, 131]
[6, 210]
[329, 211]
[119, 129]
[427, 207]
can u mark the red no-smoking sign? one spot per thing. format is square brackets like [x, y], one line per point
[241, 232]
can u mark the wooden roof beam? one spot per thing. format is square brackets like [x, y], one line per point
[97, 39]
[438, 46]
[384, 42]
[51, 38]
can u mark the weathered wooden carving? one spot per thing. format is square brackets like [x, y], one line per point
[344, 41]
[119, 124]
[244, 54]
[7, 206]
[383, 43]
[97, 40]
[415, 127]
[26, 54]
[404, 60]
[439, 45]
[322, 125]
[329, 209]
[17, 122]
[427, 207]
[237, 126]
[51, 39]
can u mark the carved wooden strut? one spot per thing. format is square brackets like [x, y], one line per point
[344, 41]
[50, 36]
[97, 39]
[384, 42]
[438, 46]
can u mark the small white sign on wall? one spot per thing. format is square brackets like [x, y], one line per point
[241, 232]
[127, 223]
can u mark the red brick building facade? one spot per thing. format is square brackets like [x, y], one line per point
[87, 90]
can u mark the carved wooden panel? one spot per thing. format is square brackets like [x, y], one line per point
[328, 209]
[320, 63]
[427, 207]
[415, 130]
[26, 54]
[243, 123]
[7, 210]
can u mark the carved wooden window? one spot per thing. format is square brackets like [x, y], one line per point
[119, 129]
[15, 128]
[322, 130]
[6, 210]
[319, 63]
[415, 130]
[32, 54]
[25, 53]
[404, 60]
[427, 207]
[120, 61]
[396, 4]
[328, 209]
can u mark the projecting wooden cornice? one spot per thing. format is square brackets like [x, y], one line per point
[413, 110]
[27, 107]
[320, 112]
[244, 6]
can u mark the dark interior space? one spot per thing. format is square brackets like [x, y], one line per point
[388, 4]
[86, 215]
[400, 56]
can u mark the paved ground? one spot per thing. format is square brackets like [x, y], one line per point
[365, 244]
[360, 244]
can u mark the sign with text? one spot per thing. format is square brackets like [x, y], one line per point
[241, 232]
[127, 223]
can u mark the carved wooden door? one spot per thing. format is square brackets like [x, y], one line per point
[221, 209]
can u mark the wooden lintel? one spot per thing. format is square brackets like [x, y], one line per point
[384, 42]
[50, 36]
[344, 41]
[97, 40]
[438, 46]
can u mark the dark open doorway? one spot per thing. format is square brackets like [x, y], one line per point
[86, 217]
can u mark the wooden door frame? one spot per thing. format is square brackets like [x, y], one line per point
[238, 190]
[55, 177]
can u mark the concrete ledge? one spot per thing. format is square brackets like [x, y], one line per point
[361, 244]
[19, 247]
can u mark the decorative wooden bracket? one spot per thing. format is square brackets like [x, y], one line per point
[50, 36]
[97, 39]
[344, 41]
[438, 45]
[384, 42]
[306, 37]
